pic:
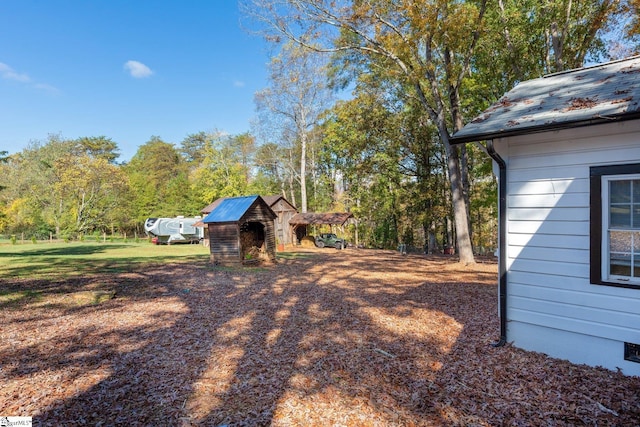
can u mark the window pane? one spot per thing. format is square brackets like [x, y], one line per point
[619, 250]
[620, 264]
[620, 191]
[620, 216]
[636, 267]
[636, 190]
[636, 215]
[619, 241]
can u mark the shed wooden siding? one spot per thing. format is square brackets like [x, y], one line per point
[550, 295]
[224, 243]
[285, 212]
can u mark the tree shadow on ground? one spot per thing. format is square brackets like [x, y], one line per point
[61, 265]
[70, 250]
[360, 338]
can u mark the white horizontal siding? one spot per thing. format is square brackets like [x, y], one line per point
[529, 252]
[583, 298]
[584, 326]
[557, 228]
[549, 186]
[548, 241]
[586, 159]
[548, 233]
[570, 200]
[549, 214]
[616, 320]
[521, 174]
[575, 285]
[578, 140]
[550, 267]
[575, 153]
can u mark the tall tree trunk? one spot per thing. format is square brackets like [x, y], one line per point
[459, 177]
[556, 44]
[303, 171]
[463, 238]
[461, 220]
[291, 191]
[464, 173]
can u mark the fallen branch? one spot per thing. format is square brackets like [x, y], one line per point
[602, 407]
[384, 353]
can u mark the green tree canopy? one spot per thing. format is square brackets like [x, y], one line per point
[159, 182]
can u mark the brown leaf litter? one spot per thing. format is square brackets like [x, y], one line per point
[338, 338]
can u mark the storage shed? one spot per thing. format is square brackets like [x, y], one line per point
[566, 148]
[280, 206]
[241, 229]
[284, 211]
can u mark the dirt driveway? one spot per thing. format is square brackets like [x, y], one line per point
[323, 338]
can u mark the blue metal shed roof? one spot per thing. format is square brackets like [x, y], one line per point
[230, 209]
[590, 95]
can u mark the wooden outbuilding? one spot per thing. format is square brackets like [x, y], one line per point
[280, 206]
[241, 230]
[566, 148]
[284, 211]
[300, 222]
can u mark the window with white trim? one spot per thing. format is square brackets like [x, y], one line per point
[615, 225]
[621, 228]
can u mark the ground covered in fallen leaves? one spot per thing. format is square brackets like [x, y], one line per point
[322, 338]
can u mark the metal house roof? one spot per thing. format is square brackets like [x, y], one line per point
[230, 209]
[590, 95]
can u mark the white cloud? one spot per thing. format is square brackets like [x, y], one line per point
[238, 83]
[47, 88]
[8, 73]
[137, 69]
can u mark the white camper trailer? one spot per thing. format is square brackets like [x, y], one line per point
[174, 230]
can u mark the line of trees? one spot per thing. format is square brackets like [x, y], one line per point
[446, 60]
[415, 70]
[393, 184]
[70, 188]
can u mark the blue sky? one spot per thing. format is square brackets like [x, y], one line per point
[125, 69]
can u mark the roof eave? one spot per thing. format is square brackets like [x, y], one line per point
[453, 140]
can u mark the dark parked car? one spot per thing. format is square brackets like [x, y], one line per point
[330, 240]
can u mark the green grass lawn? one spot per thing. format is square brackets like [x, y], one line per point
[51, 260]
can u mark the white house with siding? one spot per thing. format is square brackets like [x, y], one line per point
[566, 148]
